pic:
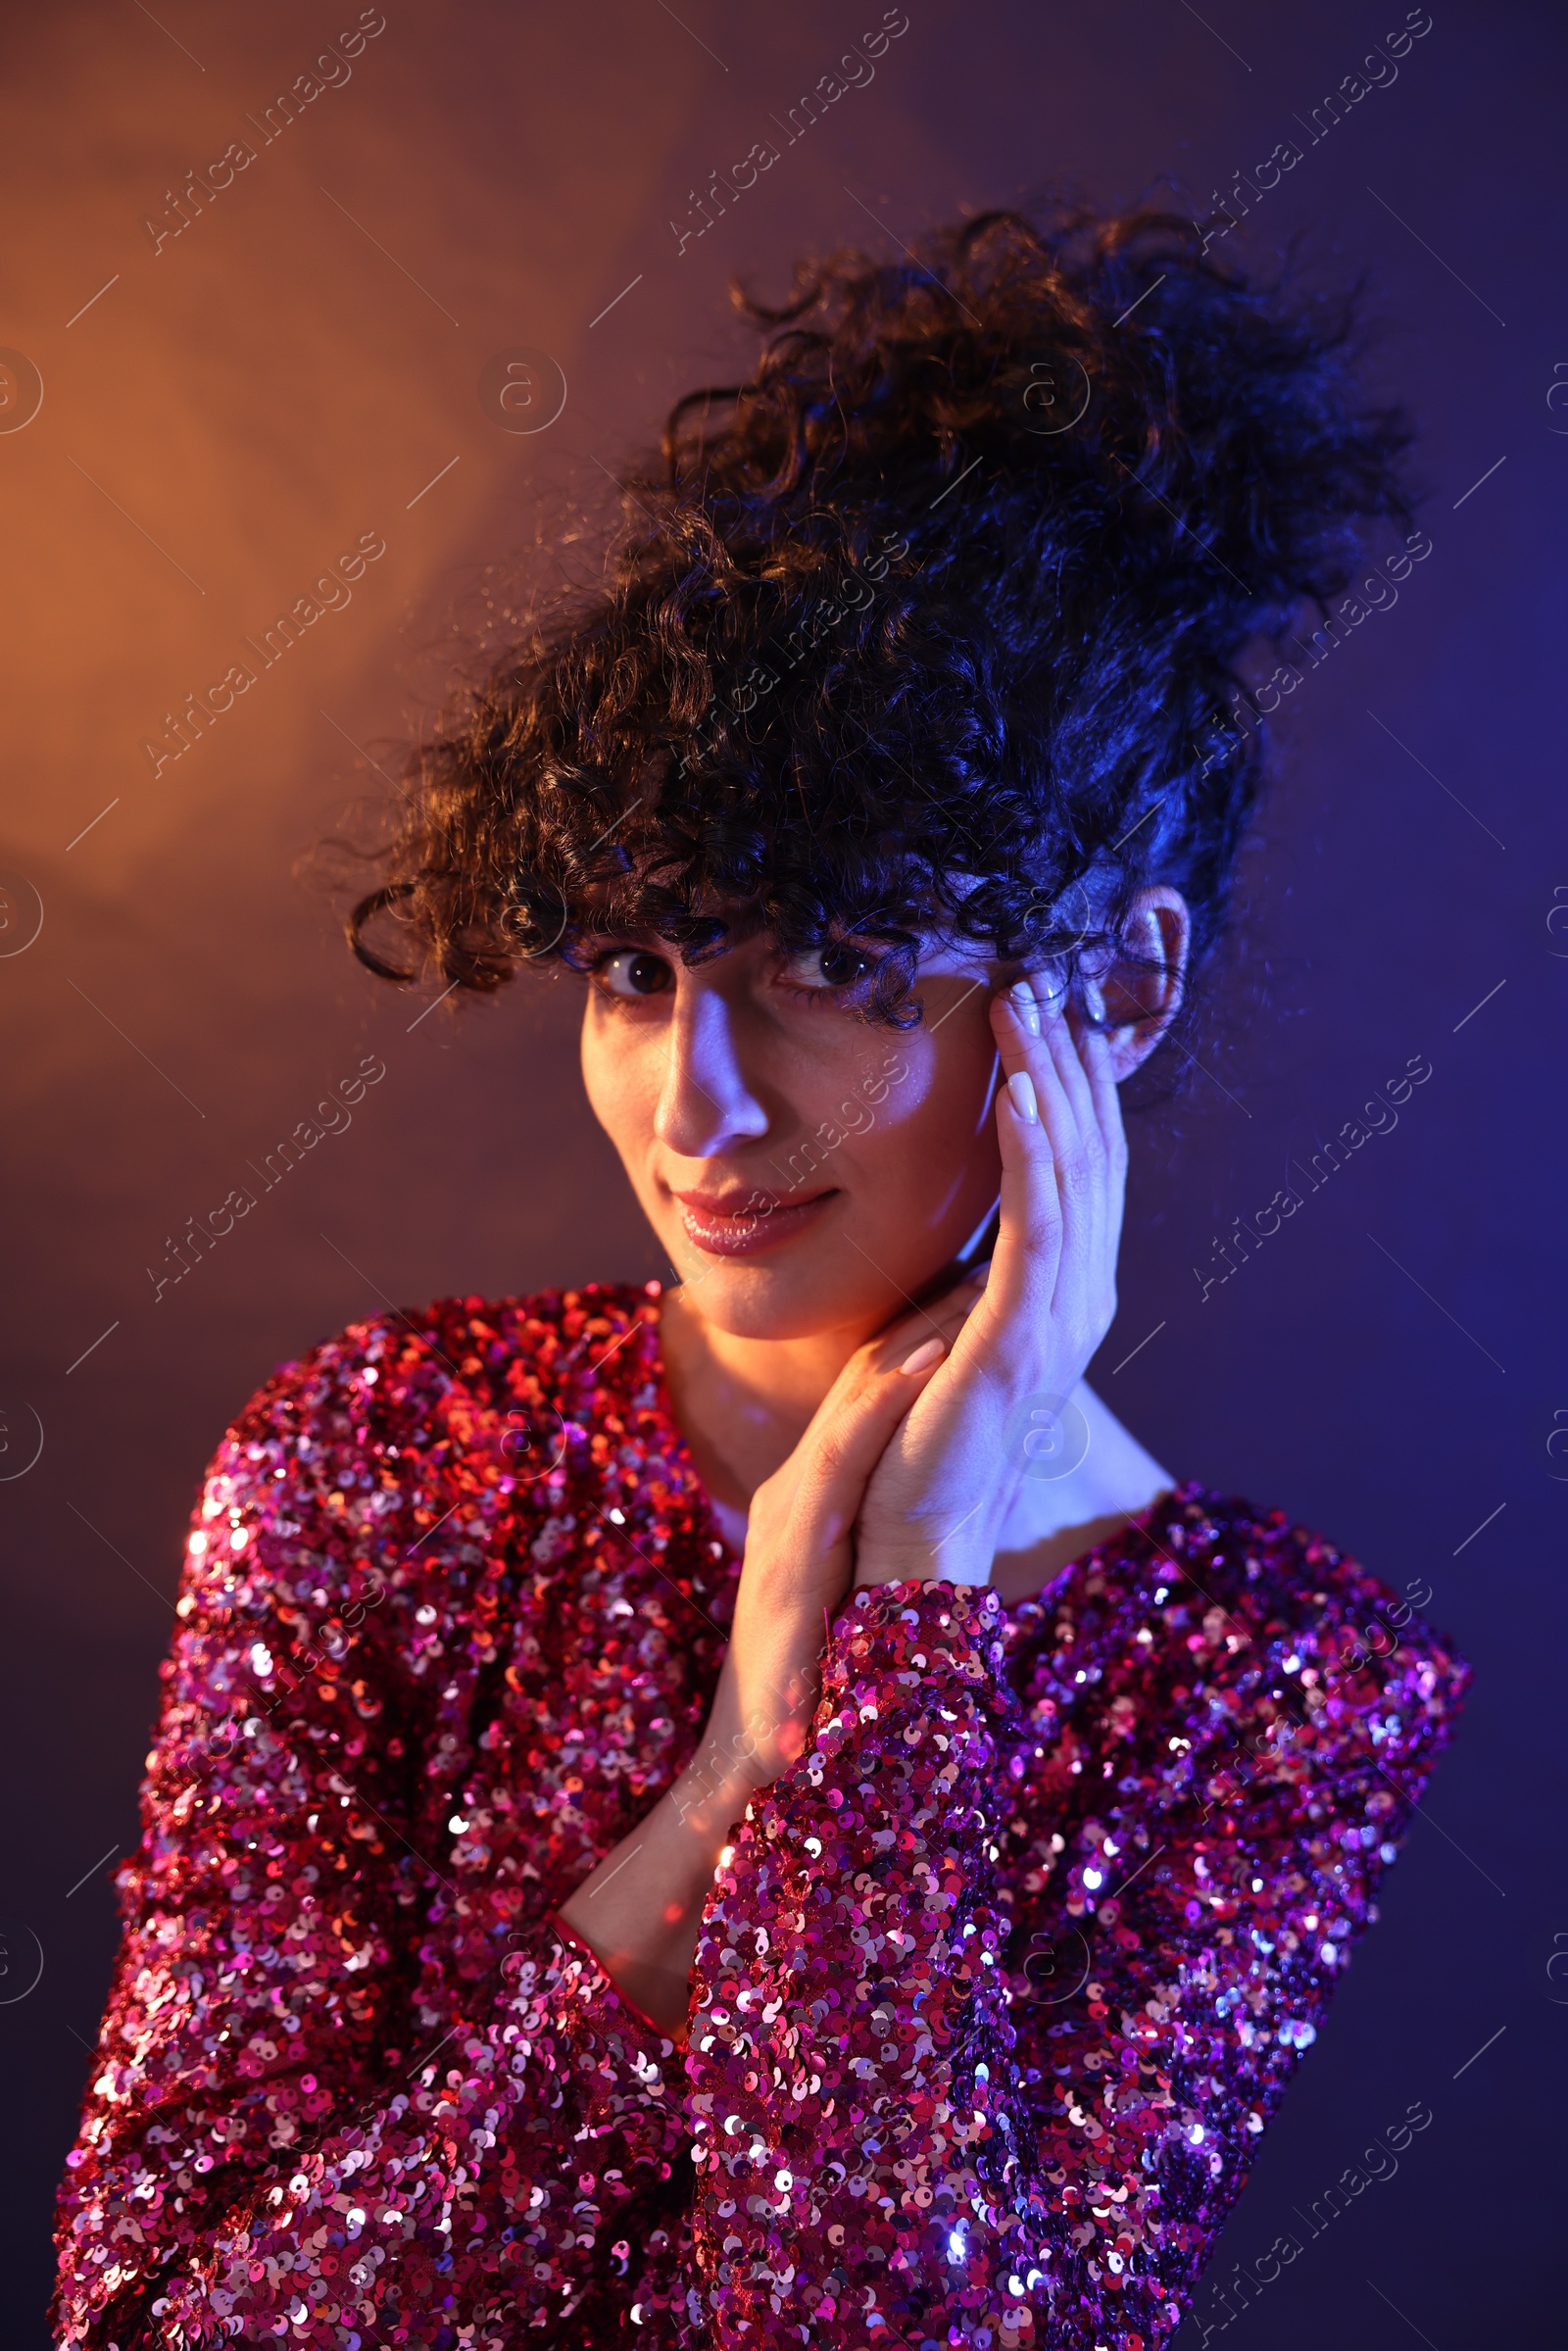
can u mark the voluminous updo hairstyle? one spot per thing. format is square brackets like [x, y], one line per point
[933, 622]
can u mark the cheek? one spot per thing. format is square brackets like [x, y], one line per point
[930, 1169]
[933, 1122]
[620, 1083]
[945, 1096]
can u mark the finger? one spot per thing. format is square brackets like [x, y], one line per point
[941, 1313]
[1095, 1048]
[1067, 1113]
[1059, 1038]
[1089, 1174]
[1028, 1037]
[947, 1317]
[840, 1450]
[1018, 1026]
[1093, 1191]
[1030, 1240]
[874, 1384]
[1084, 1169]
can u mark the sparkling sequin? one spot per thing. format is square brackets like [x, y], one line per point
[996, 1990]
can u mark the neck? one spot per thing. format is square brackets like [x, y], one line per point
[743, 1404]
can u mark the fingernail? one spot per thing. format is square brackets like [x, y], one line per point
[1094, 999]
[1021, 997]
[1021, 1087]
[930, 1351]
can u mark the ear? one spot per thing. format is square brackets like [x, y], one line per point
[1140, 990]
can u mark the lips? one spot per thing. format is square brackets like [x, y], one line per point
[740, 1223]
[748, 1200]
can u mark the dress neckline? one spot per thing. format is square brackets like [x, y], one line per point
[1138, 1521]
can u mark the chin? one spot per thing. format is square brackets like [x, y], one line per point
[751, 1299]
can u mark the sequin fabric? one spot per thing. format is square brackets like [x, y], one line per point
[997, 1985]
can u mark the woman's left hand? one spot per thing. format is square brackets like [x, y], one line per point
[936, 1502]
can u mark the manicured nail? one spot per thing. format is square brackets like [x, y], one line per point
[1094, 999]
[1021, 997]
[1021, 1087]
[931, 1350]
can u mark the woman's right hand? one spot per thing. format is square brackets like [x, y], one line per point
[799, 1558]
[641, 1909]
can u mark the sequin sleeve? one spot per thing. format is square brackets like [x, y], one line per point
[849, 2041]
[270, 2147]
[1000, 1985]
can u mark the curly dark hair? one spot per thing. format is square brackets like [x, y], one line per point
[931, 624]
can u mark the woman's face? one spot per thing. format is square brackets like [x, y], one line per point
[806, 1169]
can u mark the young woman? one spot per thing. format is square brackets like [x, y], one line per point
[756, 1812]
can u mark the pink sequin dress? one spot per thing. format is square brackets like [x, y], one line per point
[997, 1987]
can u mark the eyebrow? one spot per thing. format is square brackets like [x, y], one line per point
[741, 931]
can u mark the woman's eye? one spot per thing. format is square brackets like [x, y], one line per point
[834, 965]
[634, 972]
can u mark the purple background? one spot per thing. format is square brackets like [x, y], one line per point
[238, 405]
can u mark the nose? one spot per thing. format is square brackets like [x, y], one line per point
[706, 1103]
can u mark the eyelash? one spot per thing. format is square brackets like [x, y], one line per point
[822, 998]
[829, 997]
